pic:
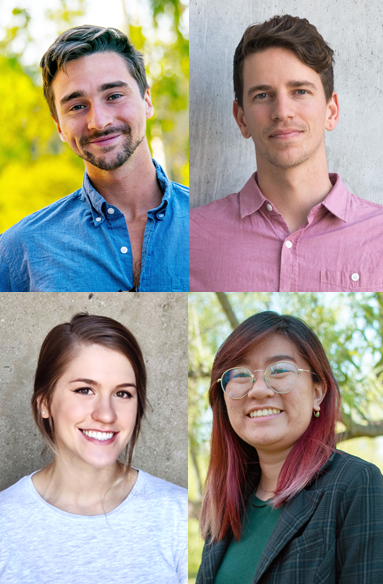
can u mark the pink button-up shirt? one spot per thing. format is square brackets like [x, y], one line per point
[241, 243]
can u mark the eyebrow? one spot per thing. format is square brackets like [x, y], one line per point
[103, 87]
[96, 384]
[293, 84]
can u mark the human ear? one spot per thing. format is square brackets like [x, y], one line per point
[149, 109]
[332, 112]
[62, 137]
[239, 116]
[319, 393]
[43, 409]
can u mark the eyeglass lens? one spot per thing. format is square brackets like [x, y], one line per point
[280, 377]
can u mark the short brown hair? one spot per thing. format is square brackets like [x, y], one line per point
[85, 40]
[292, 33]
[62, 344]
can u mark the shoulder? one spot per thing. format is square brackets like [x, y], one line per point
[43, 217]
[11, 499]
[344, 471]
[216, 209]
[162, 491]
[357, 203]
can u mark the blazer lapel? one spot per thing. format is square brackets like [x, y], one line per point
[296, 513]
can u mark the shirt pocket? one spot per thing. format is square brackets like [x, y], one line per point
[351, 281]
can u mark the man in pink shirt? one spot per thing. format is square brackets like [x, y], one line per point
[293, 227]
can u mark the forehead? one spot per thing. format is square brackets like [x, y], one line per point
[88, 73]
[275, 66]
[99, 361]
[273, 348]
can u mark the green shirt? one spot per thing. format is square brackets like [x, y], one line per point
[242, 557]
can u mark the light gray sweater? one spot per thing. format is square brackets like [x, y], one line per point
[142, 541]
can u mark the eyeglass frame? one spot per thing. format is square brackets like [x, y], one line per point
[264, 378]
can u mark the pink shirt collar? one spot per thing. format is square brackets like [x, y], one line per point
[337, 201]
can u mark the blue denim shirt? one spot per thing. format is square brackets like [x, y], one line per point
[81, 244]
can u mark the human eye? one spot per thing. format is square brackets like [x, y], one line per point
[114, 96]
[124, 394]
[261, 96]
[302, 91]
[77, 107]
[84, 391]
[280, 369]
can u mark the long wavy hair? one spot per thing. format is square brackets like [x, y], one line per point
[233, 462]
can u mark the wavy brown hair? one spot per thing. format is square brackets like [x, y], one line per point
[62, 345]
[288, 32]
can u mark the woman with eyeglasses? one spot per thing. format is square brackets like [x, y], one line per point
[282, 505]
[90, 516]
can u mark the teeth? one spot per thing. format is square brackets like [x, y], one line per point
[263, 413]
[99, 435]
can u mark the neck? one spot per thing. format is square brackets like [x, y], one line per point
[271, 465]
[133, 188]
[86, 490]
[295, 191]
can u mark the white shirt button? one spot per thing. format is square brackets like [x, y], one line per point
[98, 218]
[355, 277]
[124, 249]
[110, 211]
[269, 207]
[161, 216]
[288, 244]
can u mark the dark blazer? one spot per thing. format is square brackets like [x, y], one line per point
[331, 532]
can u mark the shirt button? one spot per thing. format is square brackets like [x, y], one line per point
[124, 249]
[269, 207]
[98, 218]
[355, 277]
[288, 244]
[110, 211]
[161, 216]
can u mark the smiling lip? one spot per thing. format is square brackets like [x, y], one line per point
[261, 414]
[96, 440]
[284, 134]
[105, 140]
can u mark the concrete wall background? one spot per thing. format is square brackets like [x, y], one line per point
[221, 161]
[159, 322]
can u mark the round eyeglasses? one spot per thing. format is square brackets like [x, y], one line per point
[281, 377]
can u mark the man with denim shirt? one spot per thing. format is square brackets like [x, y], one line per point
[292, 227]
[127, 228]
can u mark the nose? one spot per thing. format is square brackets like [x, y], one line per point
[99, 116]
[283, 108]
[260, 389]
[104, 411]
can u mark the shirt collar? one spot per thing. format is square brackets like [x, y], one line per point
[337, 201]
[98, 204]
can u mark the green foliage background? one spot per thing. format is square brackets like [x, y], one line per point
[350, 327]
[36, 168]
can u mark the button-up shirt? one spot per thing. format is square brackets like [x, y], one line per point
[242, 243]
[81, 243]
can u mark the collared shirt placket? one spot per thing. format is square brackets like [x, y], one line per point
[119, 232]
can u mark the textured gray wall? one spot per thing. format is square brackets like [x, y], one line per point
[221, 161]
[159, 322]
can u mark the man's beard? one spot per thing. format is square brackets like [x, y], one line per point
[129, 146]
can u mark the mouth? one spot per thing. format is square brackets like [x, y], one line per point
[105, 140]
[99, 437]
[264, 413]
[285, 134]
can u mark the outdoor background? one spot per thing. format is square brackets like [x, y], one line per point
[36, 168]
[350, 327]
[221, 160]
[159, 323]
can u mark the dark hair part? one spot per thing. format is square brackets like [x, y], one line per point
[292, 33]
[233, 461]
[63, 343]
[86, 40]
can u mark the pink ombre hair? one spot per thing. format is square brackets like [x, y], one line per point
[233, 462]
